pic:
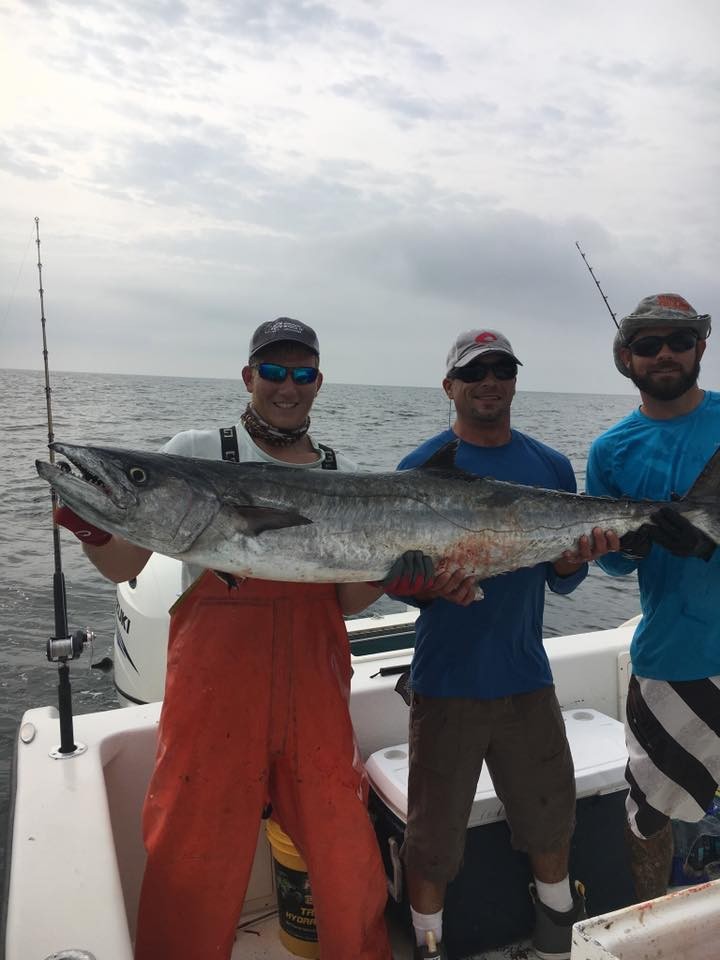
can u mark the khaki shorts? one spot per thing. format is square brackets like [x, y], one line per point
[522, 738]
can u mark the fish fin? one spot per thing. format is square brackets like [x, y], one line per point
[706, 492]
[259, 519]
[443, 458]
[227, 578]
[707, 485]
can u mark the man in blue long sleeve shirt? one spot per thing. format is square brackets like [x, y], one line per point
[481, 680]
[673, 704]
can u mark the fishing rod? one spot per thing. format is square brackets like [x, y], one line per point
[597, 284]
[62, 646]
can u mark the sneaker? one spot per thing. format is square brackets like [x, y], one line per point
[431, 951]
[552, 936]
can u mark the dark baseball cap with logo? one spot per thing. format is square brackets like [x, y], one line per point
[281, 330]
[474, 343]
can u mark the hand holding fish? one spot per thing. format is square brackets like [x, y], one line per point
[412, 572]
[413, 575]
[588, 548]
[637, 544]
[677, 534]
[457, 587]
[84, 531]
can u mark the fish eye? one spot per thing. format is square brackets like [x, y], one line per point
[137, 475]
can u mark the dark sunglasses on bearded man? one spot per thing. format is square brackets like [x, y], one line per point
[680, 341]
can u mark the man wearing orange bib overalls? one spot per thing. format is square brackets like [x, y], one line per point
[255, 710]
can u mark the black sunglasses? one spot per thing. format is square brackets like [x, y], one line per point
[501, 370]
[679, 342]
[277, 373]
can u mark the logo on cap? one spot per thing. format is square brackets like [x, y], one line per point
[487, 336]
[673, 302]
[279, 325]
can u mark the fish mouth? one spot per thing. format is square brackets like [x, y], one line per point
[101, 486]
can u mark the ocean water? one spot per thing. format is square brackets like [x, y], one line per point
[375, 426]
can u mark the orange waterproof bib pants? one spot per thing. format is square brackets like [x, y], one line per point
[256, 708]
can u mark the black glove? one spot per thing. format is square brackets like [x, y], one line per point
[637, 544]
[411, 573]
[674, 531]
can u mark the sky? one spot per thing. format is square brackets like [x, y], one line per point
[390, 171]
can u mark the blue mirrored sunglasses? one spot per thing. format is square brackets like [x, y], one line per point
[277, 373]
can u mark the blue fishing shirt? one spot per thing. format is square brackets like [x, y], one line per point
[678, 637]
[493, 647]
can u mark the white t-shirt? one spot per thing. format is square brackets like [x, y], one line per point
[206, 445]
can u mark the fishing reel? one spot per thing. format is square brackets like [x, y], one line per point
[62, 649]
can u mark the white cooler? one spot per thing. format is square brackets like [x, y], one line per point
[488, 905]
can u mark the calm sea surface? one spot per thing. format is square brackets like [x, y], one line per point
[375, 426]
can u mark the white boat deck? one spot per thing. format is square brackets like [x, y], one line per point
[258, 940]
[77, 857]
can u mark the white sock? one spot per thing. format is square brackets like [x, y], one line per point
[424, 922]
[557, 896]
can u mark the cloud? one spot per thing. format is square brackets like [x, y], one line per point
[423, 56]
[388, 170]
[389, 96]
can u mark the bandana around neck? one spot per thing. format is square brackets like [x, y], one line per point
[276, 436]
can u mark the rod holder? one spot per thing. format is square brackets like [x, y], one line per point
[60, 650]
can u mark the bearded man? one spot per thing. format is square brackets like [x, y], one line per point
[657, 453]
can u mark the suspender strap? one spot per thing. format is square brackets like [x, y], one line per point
[229, 444]
[230, 451]
[329, 460]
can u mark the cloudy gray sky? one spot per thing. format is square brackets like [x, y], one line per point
[391, 171]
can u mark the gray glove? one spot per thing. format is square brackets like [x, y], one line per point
[411, 573]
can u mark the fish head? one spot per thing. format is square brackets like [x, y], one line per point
[158, 501]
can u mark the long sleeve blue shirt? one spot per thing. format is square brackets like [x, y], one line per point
[678, 637]
[493, 647]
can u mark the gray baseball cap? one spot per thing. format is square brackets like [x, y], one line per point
[474, 343]
[659, 310]
[284, 328]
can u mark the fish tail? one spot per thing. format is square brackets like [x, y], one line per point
[704, 496]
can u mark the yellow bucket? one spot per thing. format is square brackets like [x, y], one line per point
[296, 913]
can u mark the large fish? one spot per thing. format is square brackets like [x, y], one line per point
[274, 522]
